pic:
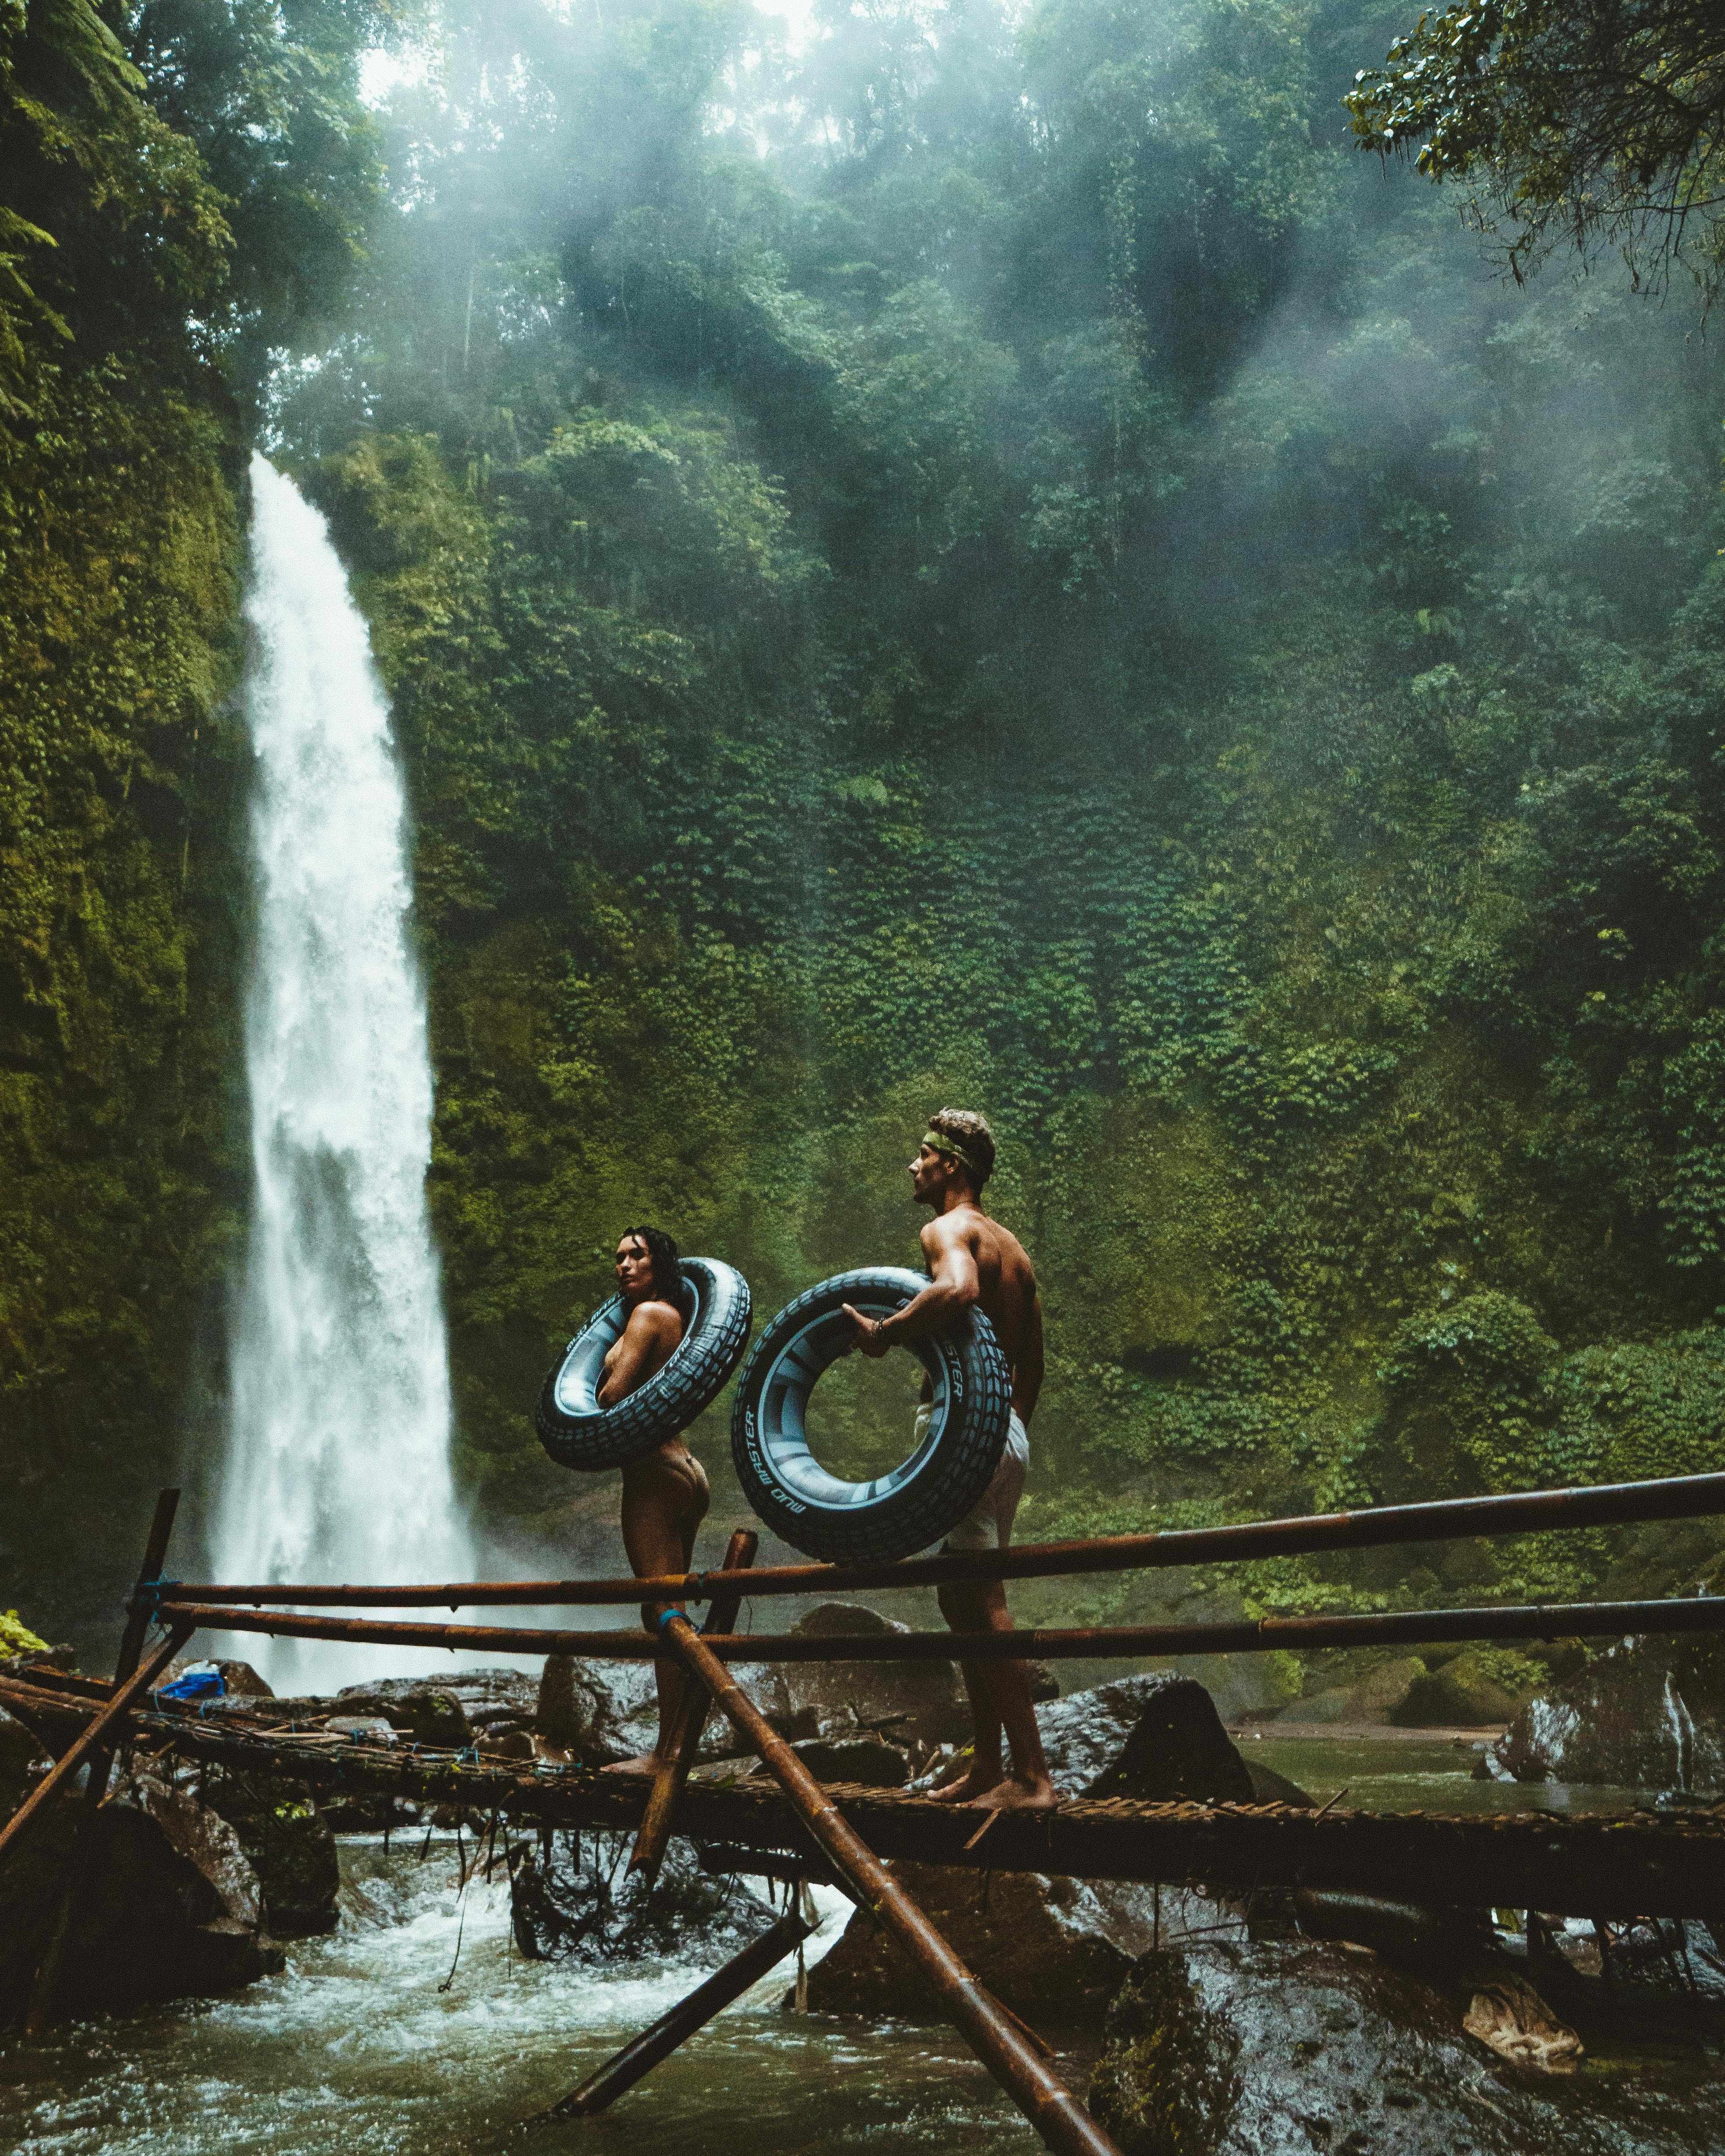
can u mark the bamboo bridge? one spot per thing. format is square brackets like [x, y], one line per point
[777, 1819]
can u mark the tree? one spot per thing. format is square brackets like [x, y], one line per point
[1601, 123]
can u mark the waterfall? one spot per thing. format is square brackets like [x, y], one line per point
[338, 1443]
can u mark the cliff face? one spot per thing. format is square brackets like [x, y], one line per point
[867, 632]
[120, 1184]
[143, 264]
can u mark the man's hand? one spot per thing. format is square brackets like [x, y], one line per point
[868, 1331]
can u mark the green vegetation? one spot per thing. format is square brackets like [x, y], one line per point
[974, 566]
[1577, 125]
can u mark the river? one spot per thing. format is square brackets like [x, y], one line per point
[359, 2047]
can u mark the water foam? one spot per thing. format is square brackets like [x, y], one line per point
[338, 1452]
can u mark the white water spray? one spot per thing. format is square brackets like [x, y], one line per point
[338, 1459]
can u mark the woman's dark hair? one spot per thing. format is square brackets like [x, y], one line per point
[667, 1264]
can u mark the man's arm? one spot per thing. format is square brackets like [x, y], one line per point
[1027, 1373]
[648, 1339]
[953, 1289]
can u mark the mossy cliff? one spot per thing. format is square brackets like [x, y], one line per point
[992, 601]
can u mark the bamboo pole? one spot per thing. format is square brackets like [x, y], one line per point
[1045, 2101]
[94, 1736]
[1617, 1865]
[601, 2088]
[1548, 1620]
[684, 1740]
[1612, 1504]
[138, 1610]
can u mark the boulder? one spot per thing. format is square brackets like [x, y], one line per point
[1377, 1697]
[1225, 2048]
[168, 1906]
[1463, 1691]
[1647, 1714]
[866, 1760]
[596, 1711]
[1056, 1949]
[1156, 1737]
[290, 1846]
[433, 1714]
[910, 1703]
[242, 1681]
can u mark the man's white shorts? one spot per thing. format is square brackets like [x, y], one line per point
[988, 1524]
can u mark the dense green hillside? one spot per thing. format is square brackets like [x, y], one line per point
[1006, 567]
[144, 271]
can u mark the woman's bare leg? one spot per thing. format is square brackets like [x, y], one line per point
[664, 1500]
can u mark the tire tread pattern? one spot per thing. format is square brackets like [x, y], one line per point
[950, 1483]
[672, 1398]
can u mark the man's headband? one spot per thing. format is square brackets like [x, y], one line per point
[938, 1142]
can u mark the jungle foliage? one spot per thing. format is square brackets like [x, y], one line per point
[1576, 125]
[1010, 567]
[148, 242]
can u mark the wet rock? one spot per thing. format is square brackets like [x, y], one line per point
[1465, 1691]
[1054, 1946]
[168, 1906]
[1376, 1697]
[432, 1714]
[909, 1703]
[581, 1707]
[1226, 2048]
[505, 1744]
[597, 1711]
[1647, 1713]
[1055, 1949]
[290, 1844]
[867, 1760]
[1156, 1738]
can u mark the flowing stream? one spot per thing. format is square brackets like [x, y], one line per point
[417, 2029]
[338, 1449]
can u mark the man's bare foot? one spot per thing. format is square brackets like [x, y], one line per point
[647, 1764]
[1018, 1793]
[972, 1783]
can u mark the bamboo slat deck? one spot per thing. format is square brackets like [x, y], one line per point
[1639, 1864]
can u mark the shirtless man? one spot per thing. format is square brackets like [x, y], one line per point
[974, 1260]
[664, 1496]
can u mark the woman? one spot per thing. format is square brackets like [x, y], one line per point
[665, 1494]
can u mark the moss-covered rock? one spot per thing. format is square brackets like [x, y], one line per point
[290, 1846]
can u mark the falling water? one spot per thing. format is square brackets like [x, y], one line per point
[338, 1458]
